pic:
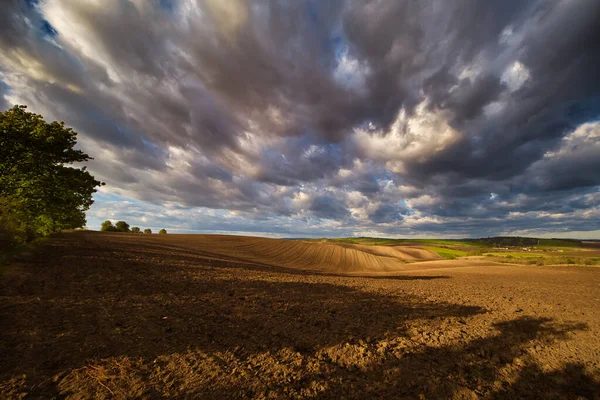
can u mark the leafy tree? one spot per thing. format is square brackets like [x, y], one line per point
[135, 229]
[107, 226]
[162, 232]
[122, 226]
[11, 224]
[148, 230]
[44, 192]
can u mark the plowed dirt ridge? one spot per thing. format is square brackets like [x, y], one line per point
[90, 315]
[309, 256]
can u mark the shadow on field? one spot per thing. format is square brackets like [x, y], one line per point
[83, 301]
[573, 382]
[478, 368]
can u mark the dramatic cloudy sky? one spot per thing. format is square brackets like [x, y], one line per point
[323, 118]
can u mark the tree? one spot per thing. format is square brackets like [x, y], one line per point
[45, 192]
[135, 229]
[122, 226]
[162, 232]
[107, 226]
[11, 225]
[148, 230]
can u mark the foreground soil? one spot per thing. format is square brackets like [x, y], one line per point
[95, 315]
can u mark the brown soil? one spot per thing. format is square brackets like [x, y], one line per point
[93, 315]
[403, 253]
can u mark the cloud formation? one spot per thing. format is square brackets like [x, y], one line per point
[310, 118]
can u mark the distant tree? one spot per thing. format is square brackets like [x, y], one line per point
[135, 229]
[36, 179]
[162, 232]
[107, 226]
[147, 230]
[122, 226]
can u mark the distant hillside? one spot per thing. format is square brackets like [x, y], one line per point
[498, 241]
[527, 242]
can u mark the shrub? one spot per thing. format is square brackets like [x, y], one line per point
[162, 232]
[148, 230]
[135, 229]
[107, 226]
[122, 226]
[12, 229]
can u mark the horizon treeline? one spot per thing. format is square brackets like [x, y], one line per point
[122, 226]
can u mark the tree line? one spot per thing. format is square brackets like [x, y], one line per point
[122, 226]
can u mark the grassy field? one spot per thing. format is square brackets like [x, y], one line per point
[543, 259]
[515, 254]
[446, 252]
[503, 249]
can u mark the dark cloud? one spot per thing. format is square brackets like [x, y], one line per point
[393, 117]
[3, 90]
[301, 159]
[12, 23]
[329, 208]
[388, 213]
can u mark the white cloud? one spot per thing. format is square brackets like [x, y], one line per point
[351, 73]
[515, 76]
[413, 138]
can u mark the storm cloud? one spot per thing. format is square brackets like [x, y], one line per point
[319, 118]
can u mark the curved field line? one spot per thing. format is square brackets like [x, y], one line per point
[304, 255]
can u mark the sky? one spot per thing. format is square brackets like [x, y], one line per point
[322, 118]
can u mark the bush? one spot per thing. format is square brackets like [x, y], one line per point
[122, 226]
[148, 230]
[107, 226]
[162, 232]
[135, 229]
[12, 229]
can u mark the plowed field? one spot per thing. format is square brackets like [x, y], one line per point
[296, 254]
[92, 316]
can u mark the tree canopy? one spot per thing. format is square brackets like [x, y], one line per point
[122, 226]
[39, 191]
[162, 232]
[107, 226]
